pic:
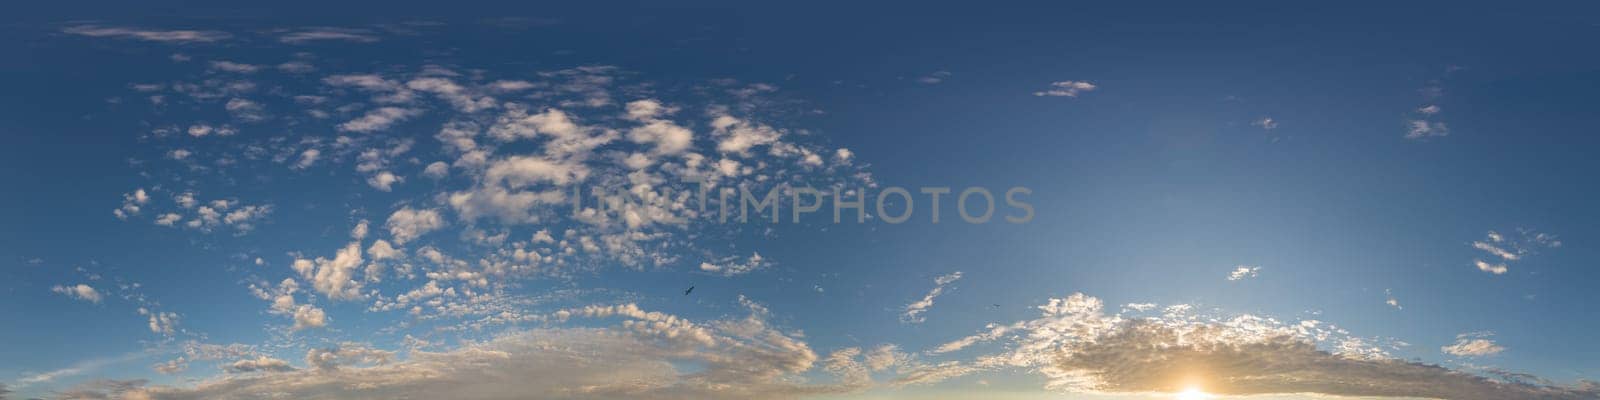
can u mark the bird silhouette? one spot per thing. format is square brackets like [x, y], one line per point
[689, 290]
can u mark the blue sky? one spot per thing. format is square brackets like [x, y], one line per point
[1241, 199]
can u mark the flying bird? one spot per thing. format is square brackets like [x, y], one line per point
[689, 290]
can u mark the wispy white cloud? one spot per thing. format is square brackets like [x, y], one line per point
[1266, 123]
[230, 66]
[1422, 129]
[934, 78]
[379, 119]
[151, 35]
[308, 35]
[1424, 122]
[1512, 248]
[1066, 89]
[733, 266]
[913, 312]
[259, 364]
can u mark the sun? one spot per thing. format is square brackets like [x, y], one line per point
[1193, 393]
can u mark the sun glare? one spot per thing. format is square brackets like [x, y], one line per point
[1193, 394]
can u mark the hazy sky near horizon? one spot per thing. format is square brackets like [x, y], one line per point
[1245, 199]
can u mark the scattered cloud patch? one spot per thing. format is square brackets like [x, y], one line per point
[1422, 129]
[1477, 344]
[78, 291]
[238, 68]
[407, 224]
[1521, 243]
[308, 35]
[379, 119]
[1266, 123]
[1078, 348]
[149, 35]
[1243, 272]
[934, 78]
[642, 358]
[733, 266]
[1066, 89]
[259, 364]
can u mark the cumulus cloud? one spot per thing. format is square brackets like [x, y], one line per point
[647, 357]
[522, 171]
[437, 170]
[738, 136]
[382, 250]
[164, 323]
[1475, 344]
[913, 312]
[384, 180]
[334, 277]
[1243, 272]
[79, 291]
[259, 364]
[360, 231]
[499, 171]
[328, 359]
[203, 129]
[667, 138]
[208, 216]
[307, 316]
[554, 123]
[1079, 348]
[307, 158]
[407, 224]
[132, 203]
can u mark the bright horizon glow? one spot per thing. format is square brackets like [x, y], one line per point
[1193, 393]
